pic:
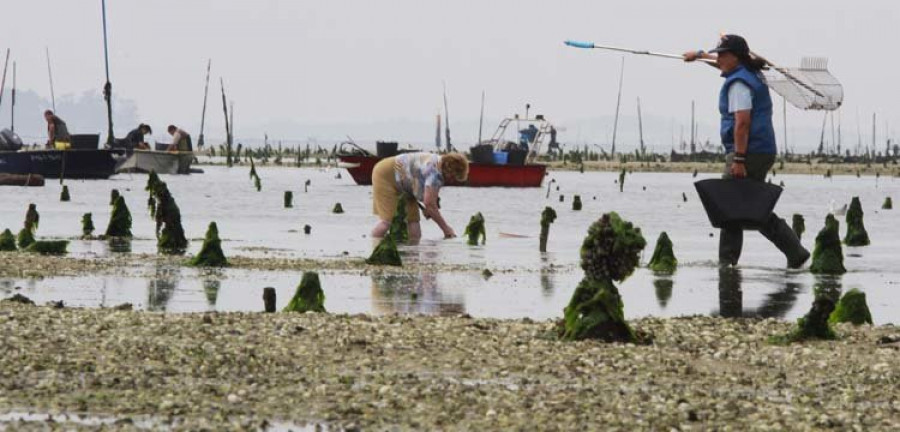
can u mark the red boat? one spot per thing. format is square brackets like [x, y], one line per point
[482, 172]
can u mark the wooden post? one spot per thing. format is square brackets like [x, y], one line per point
[269, 299]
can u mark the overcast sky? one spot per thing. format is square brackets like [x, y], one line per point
[299, 63]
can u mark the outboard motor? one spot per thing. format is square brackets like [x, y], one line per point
[9, 141]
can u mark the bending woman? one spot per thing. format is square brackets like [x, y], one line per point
[420, 176]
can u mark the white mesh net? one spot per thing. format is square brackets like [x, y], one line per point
[809, 87]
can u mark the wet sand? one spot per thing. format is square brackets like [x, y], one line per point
[242, 371]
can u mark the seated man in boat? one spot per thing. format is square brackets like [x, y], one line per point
[57, 132]
[181, 140]
[135, 138]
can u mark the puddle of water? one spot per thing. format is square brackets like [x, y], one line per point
[255, 224]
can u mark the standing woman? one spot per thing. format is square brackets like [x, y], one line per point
[420, 177]
[749, 139]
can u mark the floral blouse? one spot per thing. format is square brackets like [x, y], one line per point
[416, 171]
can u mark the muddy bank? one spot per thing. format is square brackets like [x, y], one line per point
[231, 371]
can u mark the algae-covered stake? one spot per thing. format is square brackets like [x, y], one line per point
[309, 296]
[548, 216]
[307, 229]
[798, 224]
[32, 219]
[113, 196]
[888, 204]
[288, 199]
[828, 255]
[64, 195]
[120, 219]
[663, 260]
[53, 247]
[385, 253]
[7, 241]
[152, 182]
[257, 183]
[852, 308]
[815, 324]
[87, 225]
[476, 229]
[170, 237]
[576, 203]
[269, 298]
[211, 254]
[25, 238]
[856, 230]
[610, 252]
[338, 209]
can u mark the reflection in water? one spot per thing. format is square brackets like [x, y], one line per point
[119, 245]
[162, 286]
[779, 303]
[663, 290]
[413, 294]
[7, 285]
[211, 289]
[547, 279]
[731, 297]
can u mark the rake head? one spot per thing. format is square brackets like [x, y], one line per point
[808, 87]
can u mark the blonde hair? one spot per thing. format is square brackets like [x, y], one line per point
[455, 166]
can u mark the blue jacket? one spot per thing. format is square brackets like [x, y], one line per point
[762, 133]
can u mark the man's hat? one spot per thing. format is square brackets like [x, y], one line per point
[733, 44]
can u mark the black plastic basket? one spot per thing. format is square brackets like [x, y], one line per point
[85, 141]
[386, 148]
[737, 203]
[483, 154]
[517, 157]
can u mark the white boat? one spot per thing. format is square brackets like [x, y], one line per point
[163, 162]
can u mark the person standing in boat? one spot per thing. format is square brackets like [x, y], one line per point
[181, 140]
[418, 176]
[58, 136]
[135, 138]
[748, 136]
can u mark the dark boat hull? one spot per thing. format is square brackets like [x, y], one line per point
[79, 164]
[480, 175]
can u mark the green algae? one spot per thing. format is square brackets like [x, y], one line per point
[815, 324]
[87, 225]
[114, 196]
[120, 219]
[385, 253]
[663, 260]
[153, 182]
[25, 238]
[7, 241]
[338, 209]
[610, 252]
[475, 229]
[48, 247]
[828, 255]
[309, 296]
[288, 199]
[888, 204]
[211, 254]
[64, 195]
[856, 230]
[851, 308]
[798, 224]
[399, 229]
[548, 216]
[170, 238]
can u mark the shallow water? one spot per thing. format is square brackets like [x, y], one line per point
[255, 224]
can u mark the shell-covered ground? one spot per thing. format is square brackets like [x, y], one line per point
[226, 371]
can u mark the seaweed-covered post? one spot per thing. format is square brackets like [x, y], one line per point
[798, 224]
[64, 195]
[7, 241]
[170, 237]
[309, 296]
[338, 209]
[87, 225]
[852, 308]
[888, 204]
[828, 256]
[815, 324]
[856, 230]
[211, 254]
[120, 219]
[476, 229]
[51, 247]
[610, 252]
[288, 199]
[548, 216]
[254, 176]
[663, 260]
[269, 299]
[32, 220]
[576, 203]
[307, 229]
[113, 196]
[152, 182]
[622, 180]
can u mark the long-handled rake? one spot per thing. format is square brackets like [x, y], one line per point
[808, 87]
